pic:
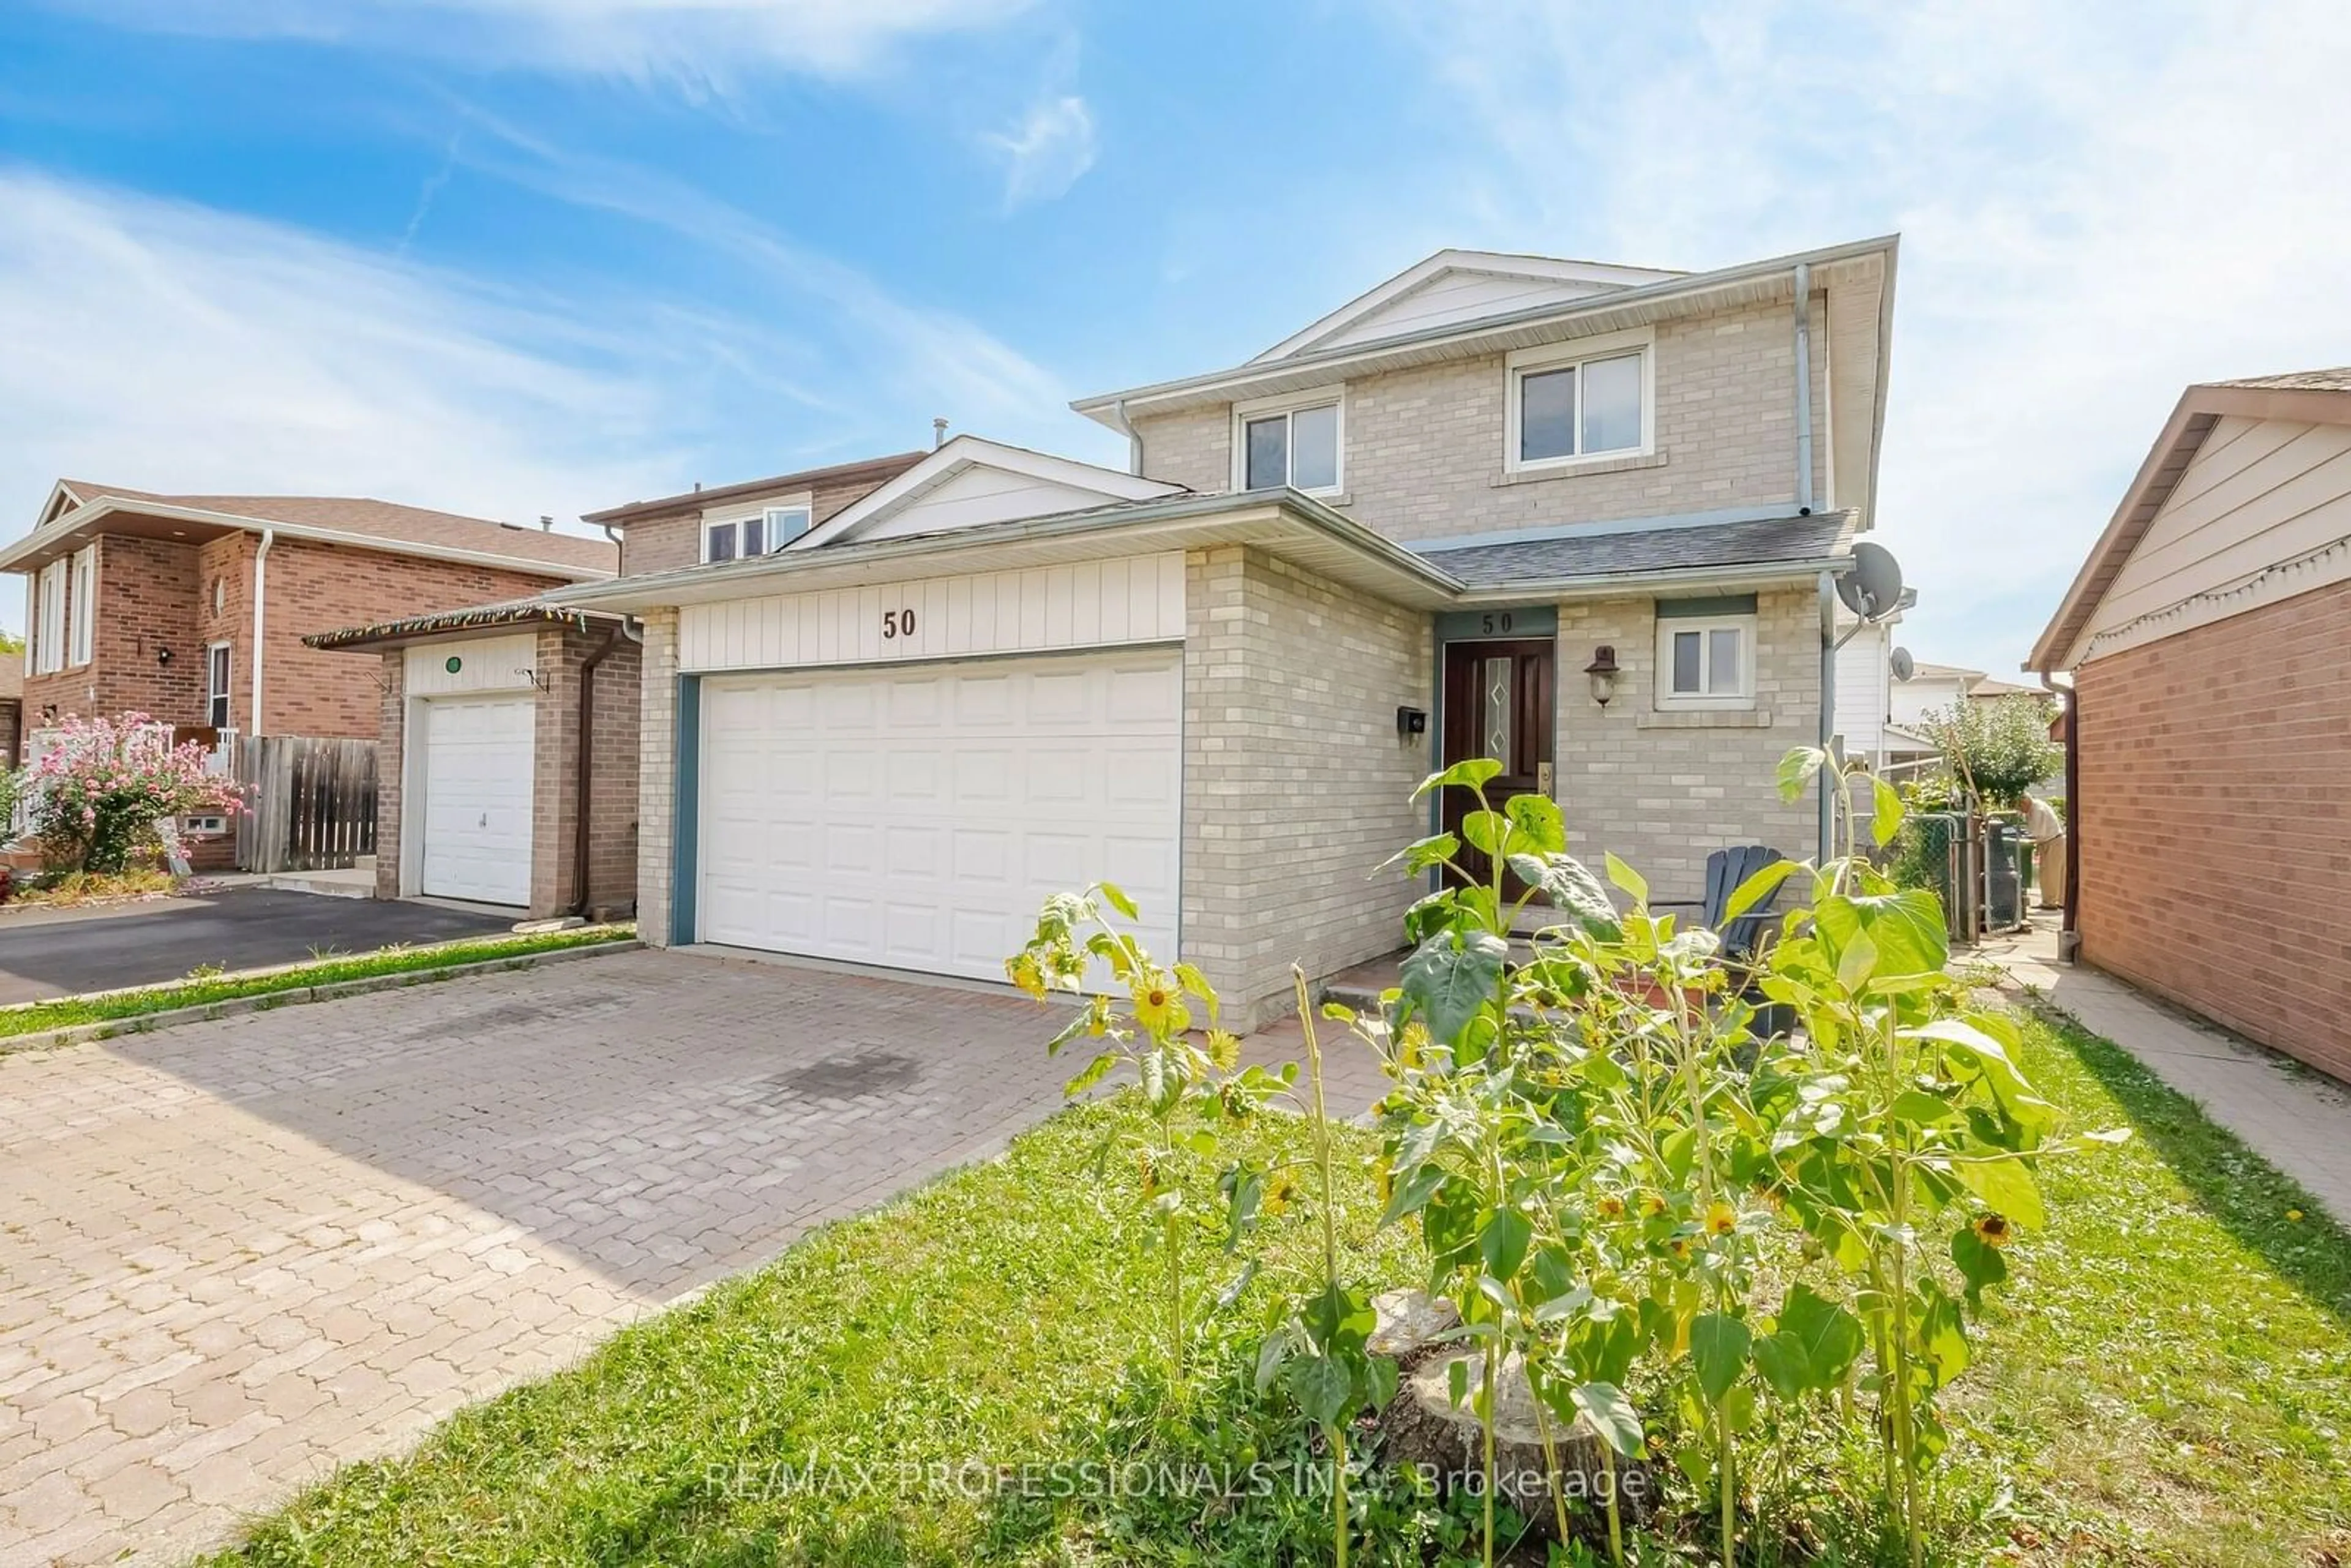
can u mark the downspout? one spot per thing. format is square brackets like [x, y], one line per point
[1828, 711]
[1804, 387]
[2069, 930]
[1133, 437]
[260, 601]
[583, 788]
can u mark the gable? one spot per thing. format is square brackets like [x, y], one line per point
[1454, 287]
[970, 482]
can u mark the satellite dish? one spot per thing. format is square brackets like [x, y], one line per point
[1903, 665]
[1873, 588]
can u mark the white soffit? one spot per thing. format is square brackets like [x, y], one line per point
[970, 482]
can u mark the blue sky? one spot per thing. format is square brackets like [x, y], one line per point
[525, 256]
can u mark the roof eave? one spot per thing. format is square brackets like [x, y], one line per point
[35, 547]
[1622, 584]
[420, 629]
[1686, 290]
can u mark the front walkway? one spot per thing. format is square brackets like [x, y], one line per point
[2293, 1116]
[234, 1255]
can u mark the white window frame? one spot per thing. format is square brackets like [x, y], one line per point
[81, 617]
[220, 661]
[763, 514]
[1287, 405]
[802, 511]
[52, 619]
[1668, 626]
[1519, 366]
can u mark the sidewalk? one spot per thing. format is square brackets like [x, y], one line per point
[2293, 1116]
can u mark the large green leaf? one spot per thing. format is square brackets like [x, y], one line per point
[1980, 1263]
[2006, 1187]
[1635, 886]
[1718, 1345]
[1539, 826]
[1573, 890]
[1906, 928]
[1611, 1415]
[1829, 1336]
[1780, 1357]
[1119, 900]
[1503, 1244]
[1759, 886]
[1798, 769]
[1412, 1193]
[1322, 1388]
[1422, 854]
[1488, 833]
[1943, 1334]
[1885, 813]
[1471, 773]
[1451, 977]
[1974, 1045]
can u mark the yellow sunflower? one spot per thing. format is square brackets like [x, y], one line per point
[1993, 1230]
[1609, 1206]
[1721, 1220]
[1026, 974]
[1158, 1005]
[1652, 1206]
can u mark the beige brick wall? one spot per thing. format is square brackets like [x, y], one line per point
[1664, 790]
[1423, 455]
[390, 769]
[1295, 782]
[656, 774]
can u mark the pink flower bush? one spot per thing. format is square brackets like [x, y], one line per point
[96, 795]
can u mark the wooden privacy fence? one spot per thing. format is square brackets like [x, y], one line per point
[309, 805]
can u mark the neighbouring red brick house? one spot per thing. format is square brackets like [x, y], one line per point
[2208, 636]
[192, 608]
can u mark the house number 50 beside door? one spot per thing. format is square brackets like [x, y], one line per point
[897, 624]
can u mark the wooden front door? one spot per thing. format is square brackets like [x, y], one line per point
[1500, 702]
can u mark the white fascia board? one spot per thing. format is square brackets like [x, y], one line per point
[971, 450]
[1551, 269]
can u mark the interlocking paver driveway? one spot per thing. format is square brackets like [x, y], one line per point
[234, 1255]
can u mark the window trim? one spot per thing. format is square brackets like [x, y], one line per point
[1576, 354]
[220, 659]
[761, 512]
[1289, 403]
[1745, 625]
[81, 608]
[769, 514]
[51, 646]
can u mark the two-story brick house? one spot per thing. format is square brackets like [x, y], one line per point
[508, 732]
[1584, 519]
[192, 609]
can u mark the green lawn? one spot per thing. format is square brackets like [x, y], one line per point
[2168, 1380]
[35, 1017]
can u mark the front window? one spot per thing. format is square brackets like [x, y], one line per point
[1297, 446]
[1706, 662]
[82, 619]
[1568, 408]
[49, 623]
[739, 538]
[216, 686]
[785, 524]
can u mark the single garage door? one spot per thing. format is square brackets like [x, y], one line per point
[916, 817]
[478, 778]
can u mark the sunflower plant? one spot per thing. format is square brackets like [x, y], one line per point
[1136, 1014]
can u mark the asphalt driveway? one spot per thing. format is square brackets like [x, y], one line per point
[57, 952]
[236, 1254]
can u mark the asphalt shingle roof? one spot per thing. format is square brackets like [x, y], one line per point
[2335, 379]
[1771, 542]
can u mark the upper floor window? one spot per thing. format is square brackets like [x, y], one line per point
[1293, 441]
[82, 618]
[739, 538]
[49, 619]
[1706, 659]
[1580, 403]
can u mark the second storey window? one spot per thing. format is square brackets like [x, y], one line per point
[1293, 442]
[50, 619]
[1582, 403]
[739, 538]
[82, 618]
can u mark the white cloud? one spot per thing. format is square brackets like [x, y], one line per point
[1047, 152]
[2098, 205]
[699, 45]
[171, 347]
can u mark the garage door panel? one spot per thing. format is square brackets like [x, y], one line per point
[951, 801]
[477, 772]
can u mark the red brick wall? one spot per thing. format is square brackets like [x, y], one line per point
[155, 594]
[146, 603]
[2215, 818]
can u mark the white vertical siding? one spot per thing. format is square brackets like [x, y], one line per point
[1083, 605]
[485, 665]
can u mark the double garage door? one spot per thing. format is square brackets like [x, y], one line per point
[917, 817]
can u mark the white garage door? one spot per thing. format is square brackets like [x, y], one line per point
[478, 778]
[917, 817]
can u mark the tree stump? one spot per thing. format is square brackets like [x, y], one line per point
[1422, 1429]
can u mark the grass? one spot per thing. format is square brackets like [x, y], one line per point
[2167, 1380]
[78, 888]
[201, 990]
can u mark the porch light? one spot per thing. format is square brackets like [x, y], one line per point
[1603, 672]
